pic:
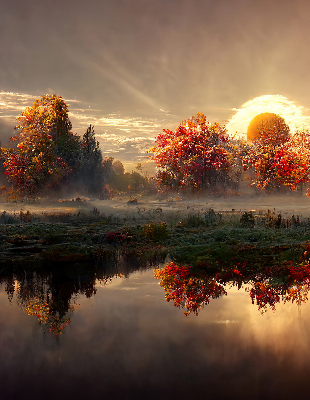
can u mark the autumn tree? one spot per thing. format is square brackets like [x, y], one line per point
[46, 150]
[266, 134]
[278, 158]
[193, 288]
[196, 155]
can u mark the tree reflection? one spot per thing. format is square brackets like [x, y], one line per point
[52, 295]
[187, 288]
[191, 288]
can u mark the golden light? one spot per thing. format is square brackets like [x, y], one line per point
[267, 122]
[293, 115]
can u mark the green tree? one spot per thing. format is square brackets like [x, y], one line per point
[91, 170]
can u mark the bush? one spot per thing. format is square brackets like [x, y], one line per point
[156, 231]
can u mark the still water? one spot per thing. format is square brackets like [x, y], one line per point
[65, 335]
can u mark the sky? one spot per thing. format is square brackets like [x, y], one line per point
[134, 67]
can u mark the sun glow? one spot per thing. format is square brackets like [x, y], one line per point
[293, 115]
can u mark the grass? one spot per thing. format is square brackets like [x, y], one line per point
[200, 239]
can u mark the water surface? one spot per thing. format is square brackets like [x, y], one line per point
[119, 339]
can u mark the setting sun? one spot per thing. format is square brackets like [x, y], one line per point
[292, 114]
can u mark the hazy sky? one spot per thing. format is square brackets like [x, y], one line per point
[135, 67]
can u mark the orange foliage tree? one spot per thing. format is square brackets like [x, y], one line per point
[46, 148]
[196, 155]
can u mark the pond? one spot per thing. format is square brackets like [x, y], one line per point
[110, 333]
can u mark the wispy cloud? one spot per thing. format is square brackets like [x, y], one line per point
[121, 136]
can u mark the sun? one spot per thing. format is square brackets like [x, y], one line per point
[292, 114]
[267, 122]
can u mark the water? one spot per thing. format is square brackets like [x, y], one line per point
[118, 338]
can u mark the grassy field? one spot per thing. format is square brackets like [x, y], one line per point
[200, 237]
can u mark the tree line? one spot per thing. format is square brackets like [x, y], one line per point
[47, 157]
[199, 155]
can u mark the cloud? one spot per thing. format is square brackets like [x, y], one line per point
[121, 137]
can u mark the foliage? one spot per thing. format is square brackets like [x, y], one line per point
[118, 167]
[107, 169]
[55, 322]
[91, 171]
[191, 288]
[115, 237]
[278, 159]
[186, 288]
[156, 231]
[33, 166]
[247, 219]
[119, 180]
[46, 149]
[196, 155]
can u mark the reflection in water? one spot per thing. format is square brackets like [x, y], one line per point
[52, 295]
[126, 342]
[188, 289]
[191, 288]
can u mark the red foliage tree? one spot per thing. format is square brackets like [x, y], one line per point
[278, 159]
[192, 289]
[196, 155]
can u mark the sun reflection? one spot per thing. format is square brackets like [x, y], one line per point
[293, 115]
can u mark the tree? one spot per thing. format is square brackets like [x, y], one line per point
[267, 132]
[33, 166]
[291, 166]
[46, 150]
[278, 158]
[119, 180]
[196, 155]
[91, 170]
[108, 171]
[118, 167]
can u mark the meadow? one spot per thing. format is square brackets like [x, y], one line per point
[201, 231]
